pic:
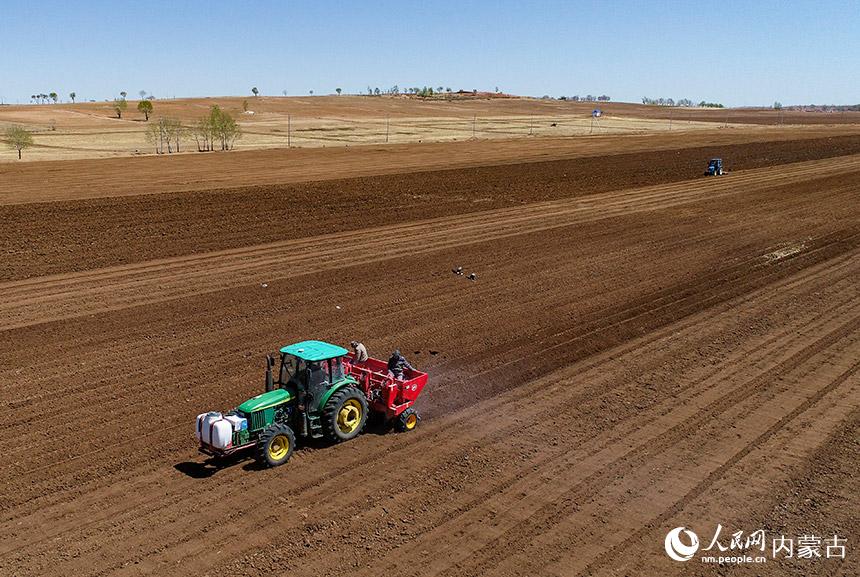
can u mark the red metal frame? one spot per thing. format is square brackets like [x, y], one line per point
[386, 394]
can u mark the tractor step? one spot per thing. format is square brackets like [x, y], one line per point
[315, 429]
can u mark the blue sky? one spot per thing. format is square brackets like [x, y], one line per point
[738, 53]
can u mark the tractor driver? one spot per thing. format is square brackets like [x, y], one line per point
[397, 364]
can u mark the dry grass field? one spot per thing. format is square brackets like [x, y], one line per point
[91, 130]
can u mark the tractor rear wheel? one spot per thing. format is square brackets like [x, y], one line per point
[407, 421]
[344, 415]
[276, 445]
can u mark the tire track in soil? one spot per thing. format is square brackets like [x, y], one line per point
[129, 393]
[783, 366]
[702, 487]
[168, 506]
[609, 319]
[564, 505]
[66, 296]
[730, 281]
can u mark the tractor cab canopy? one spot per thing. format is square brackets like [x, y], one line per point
[312, 365]
[314, 351]
[715, 161]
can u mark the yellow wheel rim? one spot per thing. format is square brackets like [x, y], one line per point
[411, 421]
[279, 447]
[349, 416]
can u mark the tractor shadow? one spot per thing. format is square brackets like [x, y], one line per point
[378, 426]
[210, 466]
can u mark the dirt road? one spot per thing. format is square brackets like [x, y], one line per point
[677, 353]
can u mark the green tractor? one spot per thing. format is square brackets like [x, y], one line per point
[314, 397]
[320, 394]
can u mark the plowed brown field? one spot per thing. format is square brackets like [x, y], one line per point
[643, 349]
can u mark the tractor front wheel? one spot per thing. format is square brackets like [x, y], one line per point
[344, 415]
[407, 421]
[276, 445]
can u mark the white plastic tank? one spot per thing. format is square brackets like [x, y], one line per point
[213, 429]
[239, 423]
[198, 429]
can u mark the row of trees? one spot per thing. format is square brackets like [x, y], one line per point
[416, 90]
[43, 98]
[215, 131]
[165, 133]
[685, 102]
[587, 98]
[394, 90]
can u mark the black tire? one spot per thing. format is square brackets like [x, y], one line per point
[275, 445]
[407, 421]
[344, 415]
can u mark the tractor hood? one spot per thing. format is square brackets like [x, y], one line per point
[264, 401]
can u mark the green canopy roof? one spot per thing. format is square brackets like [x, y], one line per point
[314, 350]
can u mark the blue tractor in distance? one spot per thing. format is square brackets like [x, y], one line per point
[715, 167]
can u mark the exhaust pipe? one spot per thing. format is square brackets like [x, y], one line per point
[282, 376]
[270, 386]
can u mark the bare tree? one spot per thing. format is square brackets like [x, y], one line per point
[165, 134]
[204, 134]
[18, 138]
[142, 94]
[175, 133]
[156, 134]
